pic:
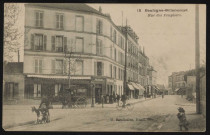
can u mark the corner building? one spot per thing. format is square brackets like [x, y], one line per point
[53, 32]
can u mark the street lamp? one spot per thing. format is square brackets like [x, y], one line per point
[92, 87]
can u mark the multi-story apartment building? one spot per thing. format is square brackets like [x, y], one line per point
[152, 76]
[176, 80]
[53, 32]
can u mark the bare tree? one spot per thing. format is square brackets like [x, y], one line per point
[12, 33]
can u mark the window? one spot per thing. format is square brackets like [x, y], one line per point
[79, 44]
[39, 19]
[58, 88]
[115, 36]
[119, 40]
[99, 68]
[38, 66]
[115, 72]
[59, 66]
[37, 90]
[115, 54]
[119, 73]
[122, 42]
[99, 27]
[38, 42]
[99, 47]
[59, 44]
[59, 21]
[110, 69]
[110, 51]
[79, 67]
[111, 33]
[79, 23]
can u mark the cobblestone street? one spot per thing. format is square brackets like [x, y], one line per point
[151, 115]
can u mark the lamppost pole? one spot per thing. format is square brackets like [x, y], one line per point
[92, 87]
[125, 73]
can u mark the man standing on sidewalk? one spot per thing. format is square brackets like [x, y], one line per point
[118, 99]
[124, 99]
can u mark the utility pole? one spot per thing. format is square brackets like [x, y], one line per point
[197, 58]
[125, 73]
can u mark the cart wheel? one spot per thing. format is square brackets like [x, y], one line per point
[130, 107]
[81, 102]
[119, 108]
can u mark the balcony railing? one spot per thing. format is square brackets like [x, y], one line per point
[39, 48]
[59, 49]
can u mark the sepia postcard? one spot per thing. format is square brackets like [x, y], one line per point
[104, 67]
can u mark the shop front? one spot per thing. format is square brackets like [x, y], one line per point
[99, 88]
[131, 90]
[37, 86]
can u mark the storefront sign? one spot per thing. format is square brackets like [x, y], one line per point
[98, 80]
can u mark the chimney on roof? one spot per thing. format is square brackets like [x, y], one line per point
[100, 9]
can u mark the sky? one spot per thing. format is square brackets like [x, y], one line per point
[169, 42]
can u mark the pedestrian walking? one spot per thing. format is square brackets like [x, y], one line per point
[182, 119]
[118, 99]
[123, 99]
[163, 95]
[102, 101]
[145, 95]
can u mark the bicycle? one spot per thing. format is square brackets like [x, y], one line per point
[128, 106]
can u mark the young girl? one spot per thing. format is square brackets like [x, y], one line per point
[182, 119]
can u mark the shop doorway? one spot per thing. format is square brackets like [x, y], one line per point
[11, 90]
[98, 92]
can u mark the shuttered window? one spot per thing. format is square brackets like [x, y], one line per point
[99, 47]
[110, 70]
[115, 54]
[59, 43]
[38, 66]
[111, 33]
[79, 23]
[38, 42]
[99, 26]
[79, 44]
[79, 67]
[59, 21]
[115, 36]
[59, 66]
[39, 18]
[111, 51]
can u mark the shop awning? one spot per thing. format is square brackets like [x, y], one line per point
[140, 87]
[130, 87]
[58, 77]
[135, 86]
[177, 89]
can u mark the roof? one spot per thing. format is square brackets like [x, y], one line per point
[13, 67]
[68, 6]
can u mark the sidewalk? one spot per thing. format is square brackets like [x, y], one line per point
[197, 121]
[18, 115]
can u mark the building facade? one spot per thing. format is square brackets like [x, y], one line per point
[13, 81]
[75, 40]
[176, 81]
